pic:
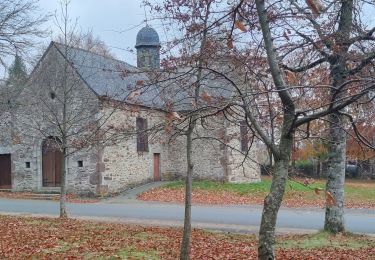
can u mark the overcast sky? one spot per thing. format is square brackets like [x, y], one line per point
[116, 22]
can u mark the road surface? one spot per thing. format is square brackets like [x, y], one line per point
[230, 218]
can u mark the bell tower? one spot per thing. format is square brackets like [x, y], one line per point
[148, 48]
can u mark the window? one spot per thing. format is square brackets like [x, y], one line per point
[27, 165]
[244, 136]
[52, 95]
[80, 163]
[142, 137]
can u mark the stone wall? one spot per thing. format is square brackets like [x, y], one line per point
[113, 163]
[243, 168]
[39, 115]
[215, 154]
[122, 166]
[207, 153]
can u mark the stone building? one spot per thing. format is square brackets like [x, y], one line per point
[116, 130]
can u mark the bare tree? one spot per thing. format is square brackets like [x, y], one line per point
[337, 56]
[65, 108]
[86, 41]
[20, 26]
[277, 39]
[196, 99]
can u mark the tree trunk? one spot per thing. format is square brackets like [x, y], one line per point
[320, 169]
[63, 211]
[270, 209]
[185, 244]
[334, 217]
[273, 200]
[281, 155]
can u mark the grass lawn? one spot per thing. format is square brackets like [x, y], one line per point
[46, 238]
[358, 193]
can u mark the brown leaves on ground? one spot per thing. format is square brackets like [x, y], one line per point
[198, 196]
[72, 198]
[327, 253]
[43, 238]
[292, 199]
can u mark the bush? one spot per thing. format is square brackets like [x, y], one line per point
[305, 166]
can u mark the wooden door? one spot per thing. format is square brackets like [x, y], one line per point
[157, 167]
[51, 163]
[5, 172]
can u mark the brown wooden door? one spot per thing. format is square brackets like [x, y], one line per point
[156, 166]
[51, 163]
[5, 172]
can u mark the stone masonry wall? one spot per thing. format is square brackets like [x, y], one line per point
[122, 166]
[212, 158]
[243, 169]
[34, 122]
[115, 165]
[208, 154]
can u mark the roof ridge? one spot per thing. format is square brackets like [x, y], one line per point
[94, 53]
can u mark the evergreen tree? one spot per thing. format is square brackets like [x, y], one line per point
[17, 73]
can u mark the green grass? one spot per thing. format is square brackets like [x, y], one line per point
[243, 188]
[133, 253]
[324, 239]
[147, 235]
[359, 192]
[354, 189]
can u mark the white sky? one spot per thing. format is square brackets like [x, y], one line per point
[116, 22]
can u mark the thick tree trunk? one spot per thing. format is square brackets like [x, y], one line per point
[271, 207]
[63, 211]
[282, 154]
[334, 218]
[273, 200]
[185, 244]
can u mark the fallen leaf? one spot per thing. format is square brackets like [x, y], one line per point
[317, 190]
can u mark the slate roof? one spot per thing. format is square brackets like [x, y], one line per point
[119, 80]
[178, 89]
[110, 77]
[147, 36]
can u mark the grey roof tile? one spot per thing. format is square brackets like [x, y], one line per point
[110, 77]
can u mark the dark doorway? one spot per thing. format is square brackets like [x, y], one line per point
[156, 166]
[51, 162]
[5, 172]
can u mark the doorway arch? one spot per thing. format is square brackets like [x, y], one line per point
[51, 162]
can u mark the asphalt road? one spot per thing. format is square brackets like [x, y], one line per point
[233, 218]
